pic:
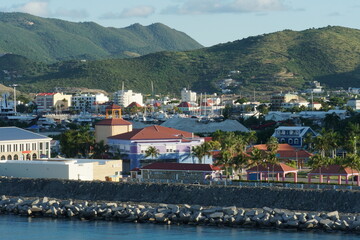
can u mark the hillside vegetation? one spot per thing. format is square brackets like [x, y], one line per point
[49, 40]
[283, 60]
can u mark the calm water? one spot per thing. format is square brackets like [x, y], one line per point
[14, 227]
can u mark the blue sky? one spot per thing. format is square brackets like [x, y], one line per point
[208, 21]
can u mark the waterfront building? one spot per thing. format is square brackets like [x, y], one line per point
[84, 102]
[113, 124]
[71, 169]
[48, 102]
[172, 145]
[125, 97]
[20, 144]
[188, 95]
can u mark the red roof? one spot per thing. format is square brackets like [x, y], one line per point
[334, 170]
[181, 167]
[45, 94]
[285, 151]
[113, 106]
[113, 121]
[157, 104]
[208, 139]
[280, 167]
[134, 104]
[153, 132]
[184, 105]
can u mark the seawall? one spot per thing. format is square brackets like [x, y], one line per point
[245, 197]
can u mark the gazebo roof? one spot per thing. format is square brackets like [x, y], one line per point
[113, 107]
[333, 170]
[278, 168]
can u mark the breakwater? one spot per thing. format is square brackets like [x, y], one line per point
[245, 197]
[180, 214]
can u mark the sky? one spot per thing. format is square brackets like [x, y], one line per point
[209, 22]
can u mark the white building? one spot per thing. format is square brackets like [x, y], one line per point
[72, 169]
[188, 96]
[48, 102]
[6, 106]
[354, 104]
[125, 97]
[84, 102]
[20, 144]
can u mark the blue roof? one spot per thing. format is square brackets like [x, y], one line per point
[15, 133]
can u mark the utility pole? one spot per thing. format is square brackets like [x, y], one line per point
[355, 150]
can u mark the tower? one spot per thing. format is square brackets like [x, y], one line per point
[113, 124]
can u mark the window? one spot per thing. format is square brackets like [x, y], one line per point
[28, 147]
[22, 147]
[290, 141]
[296, 141]
[8, 148]
[15, 147]
[34, 146]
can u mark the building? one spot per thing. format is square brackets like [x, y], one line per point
[49, 102]
[188, 96]
[84, 102]
[125, 97]
[293, 135]
[187, 172]
[113, 124]
[187, 107]
[278, 100]
[72, 169]
[354, 103]
[20, 144]
[6, 106]
[173, 145]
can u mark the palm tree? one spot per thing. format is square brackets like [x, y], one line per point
[197, 151]
[272, 147]
[257, 158]
[319, 161]
[100, 150]
[152, 152]
[352, 161]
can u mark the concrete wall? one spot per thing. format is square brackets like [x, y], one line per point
[307, 200]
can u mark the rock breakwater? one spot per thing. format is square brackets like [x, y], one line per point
[180, 214]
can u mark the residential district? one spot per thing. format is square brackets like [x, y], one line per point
[308, 136]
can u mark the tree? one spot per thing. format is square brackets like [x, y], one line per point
[100, 150]
[257, 158]
[352, 161]
[319, 161]
[75, 142]
[272, 147]
[152, 152]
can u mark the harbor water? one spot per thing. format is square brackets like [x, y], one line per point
[16, 228]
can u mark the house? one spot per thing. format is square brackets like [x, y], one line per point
[186, 107]
[84, 102]
[173, 145]
[187, 172]
[293, 135]
[354, 104]
[48, 102]
[20, 144]
[278, 100]
[125, 97]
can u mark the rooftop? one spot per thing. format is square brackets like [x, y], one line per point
[153, 132]
[14, 133]
[113, 121]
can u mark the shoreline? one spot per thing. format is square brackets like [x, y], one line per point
[184, 214]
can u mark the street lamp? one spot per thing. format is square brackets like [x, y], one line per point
[14, 86]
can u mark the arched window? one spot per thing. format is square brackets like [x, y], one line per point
[34, 156]
[9, 157]
[16, 157]
[296, 141]
[282, 140]
[3, 157]
[28, 156]
[290, 141]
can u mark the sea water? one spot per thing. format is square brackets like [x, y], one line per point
[15, 227]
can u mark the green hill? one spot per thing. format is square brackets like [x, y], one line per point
[283, 60]
[49, 40]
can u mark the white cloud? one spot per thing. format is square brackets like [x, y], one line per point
[140, 11]
[39, 8]
[225, 6]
